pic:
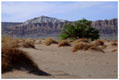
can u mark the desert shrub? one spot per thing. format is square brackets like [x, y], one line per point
[11, 43]
[96, 48]
[81, 46]
[28, 44]
[76, 48]
[79, 29]
[39, 42]
[64, 43]
[103, 46]
[49, 41]
[80, 40]
[114, 43]
[99, 42]
[5, 63]
[15, 58]
[86, 46]
[5, 38]
[21, 40]
[83, 40]
[33, 40]
[114, 50]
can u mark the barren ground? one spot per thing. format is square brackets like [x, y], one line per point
[63, 63]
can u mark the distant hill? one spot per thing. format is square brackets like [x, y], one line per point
[48, 26]
[9, 24]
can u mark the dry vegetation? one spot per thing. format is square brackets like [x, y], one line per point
[99, 42]
[9, 42]
[81, 46]
[80, 40]
[88, 46]
[114, 43]
[28, 44]
[13, 57]
[96, 48]
[49, 41]
[114, 50]
[103, 46]
[64, 43]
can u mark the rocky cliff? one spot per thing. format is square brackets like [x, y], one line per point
[44, 26]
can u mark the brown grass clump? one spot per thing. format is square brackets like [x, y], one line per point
[114, 50]
[83, 40]
[103, 46]
[96, 48]
[76, 48]
[49, 41]
[10, 43]
[99, 42]
[114, 43]
[81, 46]
[64, 43]
[86, 46]
[15, 58]
[80, 40]
[28, 44]
[39, 42]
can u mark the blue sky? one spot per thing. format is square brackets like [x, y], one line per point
[22, 11]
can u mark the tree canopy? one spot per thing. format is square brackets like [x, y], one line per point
[79, 29]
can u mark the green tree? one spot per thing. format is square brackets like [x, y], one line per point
[79, 29]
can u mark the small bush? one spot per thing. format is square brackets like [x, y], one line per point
[96, 48]
[39, 42]
[28, 44]
[15, 58]
[99, 42]
[81, 46]
[103, 46]
[86, 46]
[80, 40]
[64, 43]
[114, 43]
[114, 50]
[49, 41]
[10, 43]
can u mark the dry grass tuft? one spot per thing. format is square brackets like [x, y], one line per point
[114, 50]
[99, 42]
[81, 46]
[28, 44]
[96, 48]
[86, 46]
[39, 42]
[114, 43]
[9, 43]
[64, 43]
[80, 40]
[15, 58]
[103, 46]
[49, 41]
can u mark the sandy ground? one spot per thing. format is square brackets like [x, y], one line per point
[62, 63]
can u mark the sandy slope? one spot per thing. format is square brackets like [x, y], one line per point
[62, 63]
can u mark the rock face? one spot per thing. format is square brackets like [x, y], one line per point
[107, 28]
[44, 26]
[9, 24]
